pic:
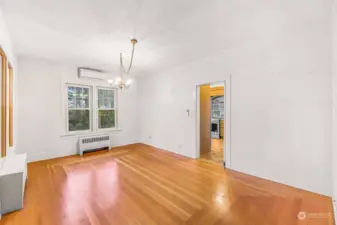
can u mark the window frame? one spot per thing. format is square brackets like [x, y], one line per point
[93, 104]
[90, 108]
[97, 88]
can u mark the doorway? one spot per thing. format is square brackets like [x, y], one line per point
[213, 122]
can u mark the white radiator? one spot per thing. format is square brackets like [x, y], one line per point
[93, 143]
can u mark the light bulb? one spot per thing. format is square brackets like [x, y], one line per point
[118, 80]
[110, 81]
[128, 82]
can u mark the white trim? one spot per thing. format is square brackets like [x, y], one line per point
[228, 122]
[227, 105]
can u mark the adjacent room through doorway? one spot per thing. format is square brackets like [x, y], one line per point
[212, 122]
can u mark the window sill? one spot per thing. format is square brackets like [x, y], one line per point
[78, 135]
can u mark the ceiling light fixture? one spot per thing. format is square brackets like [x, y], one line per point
[123, 80]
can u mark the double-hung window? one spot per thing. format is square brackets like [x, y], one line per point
[79, 108]
[106, 109]
[82, 99]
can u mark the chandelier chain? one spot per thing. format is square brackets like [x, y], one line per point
[121, 81]
[121, 61]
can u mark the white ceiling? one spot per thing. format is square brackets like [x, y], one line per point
[93, 32]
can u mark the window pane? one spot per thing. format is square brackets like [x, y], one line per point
[82, 93]
[71, 97]
[78, 97]
[85, 103]
[71, 103]
[71, 91]
[110, 94]
[108, 103]
[106, 99]
[82, 103]
[100, 103]
[78, 91]
[100, 94]
[85, 93]
[79, 120]
[106, 119]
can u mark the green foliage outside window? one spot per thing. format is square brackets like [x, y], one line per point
[79, 120]
[106, 119]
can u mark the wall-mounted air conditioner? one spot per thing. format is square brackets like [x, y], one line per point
[89, 73]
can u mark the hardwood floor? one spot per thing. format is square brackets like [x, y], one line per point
[140, 184]
[216, 155]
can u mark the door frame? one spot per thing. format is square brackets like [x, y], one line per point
[227, 138]
[3, 103]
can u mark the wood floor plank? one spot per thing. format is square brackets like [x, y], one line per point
[164, 195]
[170, 183]
[143, 185]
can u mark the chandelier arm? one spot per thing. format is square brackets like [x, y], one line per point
[133, 50]
[121, 82]
[121, 64]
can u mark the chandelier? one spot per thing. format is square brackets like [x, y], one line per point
[124, 80]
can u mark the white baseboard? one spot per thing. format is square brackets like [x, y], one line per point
[56, 154]
[175, 151]
[49, 155]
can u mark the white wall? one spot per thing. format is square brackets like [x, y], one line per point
[279, 56]
[334, 81]
[5, 40]
[6, 44]
[40, 121]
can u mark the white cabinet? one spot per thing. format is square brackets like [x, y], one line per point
[13, 175]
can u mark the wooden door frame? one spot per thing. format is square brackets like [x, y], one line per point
[210, 120]
[10, 104]
[3, 102]
[227, 127]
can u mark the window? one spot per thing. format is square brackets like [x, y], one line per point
[218, 107]
[90, 108]
[79, 109]
[106, 111]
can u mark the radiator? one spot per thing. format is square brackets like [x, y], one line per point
[92, 143]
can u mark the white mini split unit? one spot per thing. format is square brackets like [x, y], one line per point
[93, 74]
[99, 75]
